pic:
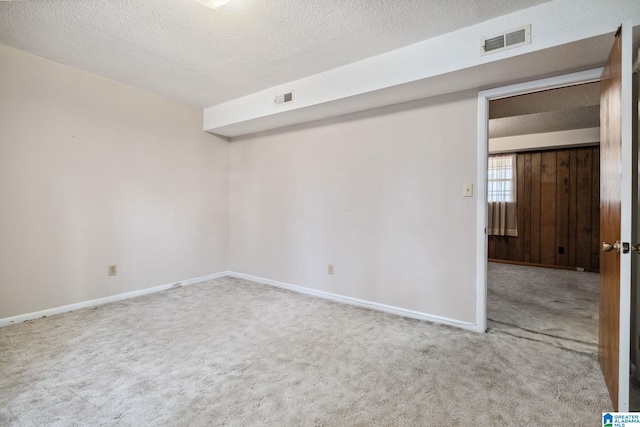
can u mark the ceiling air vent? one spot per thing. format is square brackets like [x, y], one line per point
[285, 98]
[510, 39]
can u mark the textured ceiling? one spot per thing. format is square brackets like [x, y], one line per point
[549, 100]
[574, 107]
[183, 50]
[553, 121]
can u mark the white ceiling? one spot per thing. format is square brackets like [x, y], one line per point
[203, 57]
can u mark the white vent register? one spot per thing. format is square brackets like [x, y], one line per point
[508, 40]
[285, 98]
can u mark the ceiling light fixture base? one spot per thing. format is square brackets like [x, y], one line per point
[213, 4]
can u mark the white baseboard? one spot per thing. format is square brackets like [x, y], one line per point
[113, 298]
[308, 291]
[360, 303]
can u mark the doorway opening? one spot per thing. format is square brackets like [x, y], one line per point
[617, 340]
[506, 95]
[484, 250]
[538, 270]
[543, 203]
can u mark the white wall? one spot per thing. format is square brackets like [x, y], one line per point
[92, 173]
[378, 194]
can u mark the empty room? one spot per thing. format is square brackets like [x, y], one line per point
[249, 213]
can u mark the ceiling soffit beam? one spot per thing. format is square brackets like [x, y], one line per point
[421, 62]
[545, 141]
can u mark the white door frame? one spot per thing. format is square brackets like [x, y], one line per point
[626, 213]
[484, 97]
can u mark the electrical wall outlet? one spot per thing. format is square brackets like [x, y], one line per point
[330, 269]
[113, 270]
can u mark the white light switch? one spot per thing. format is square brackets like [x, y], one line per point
[467, 190]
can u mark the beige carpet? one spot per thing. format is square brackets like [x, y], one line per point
[235, 353]
[559, 307]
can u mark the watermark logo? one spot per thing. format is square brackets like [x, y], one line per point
[620, 419]
[607, 420]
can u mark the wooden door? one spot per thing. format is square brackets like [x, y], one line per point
[615, 219]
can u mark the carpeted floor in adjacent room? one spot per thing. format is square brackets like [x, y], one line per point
[235, 353]
[559, 307]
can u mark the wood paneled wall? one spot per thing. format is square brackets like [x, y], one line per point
[558, 210]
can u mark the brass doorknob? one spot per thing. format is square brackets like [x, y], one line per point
[608, 247]
[636, 248]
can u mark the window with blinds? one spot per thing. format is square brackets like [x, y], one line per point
[501, 179]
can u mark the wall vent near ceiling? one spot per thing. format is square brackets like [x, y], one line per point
[285, 98]
[508, 40]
